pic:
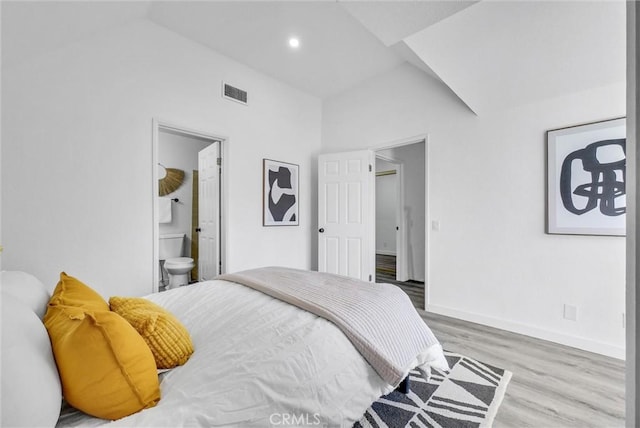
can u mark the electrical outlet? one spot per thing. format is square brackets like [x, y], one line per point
[570, 312]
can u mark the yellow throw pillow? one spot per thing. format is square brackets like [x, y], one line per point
[167, 338]
[105, 367]
[73, 292]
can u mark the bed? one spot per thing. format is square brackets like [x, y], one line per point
[258, 361]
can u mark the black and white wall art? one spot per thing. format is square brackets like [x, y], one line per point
[280, 194]
[586, 174]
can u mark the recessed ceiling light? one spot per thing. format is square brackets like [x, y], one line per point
[294, 42]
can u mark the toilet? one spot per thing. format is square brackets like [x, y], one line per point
[176, 265]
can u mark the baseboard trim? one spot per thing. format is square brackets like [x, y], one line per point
[585, 344]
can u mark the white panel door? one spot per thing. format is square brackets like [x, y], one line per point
[208, 212]
[346, 214]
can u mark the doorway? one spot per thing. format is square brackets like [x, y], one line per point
[187, 195]
[390, 226]
[401, 213]
[346, 231]
[408, 160]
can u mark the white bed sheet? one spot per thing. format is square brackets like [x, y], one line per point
[257, 360]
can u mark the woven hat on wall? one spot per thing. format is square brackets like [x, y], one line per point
[171, 181]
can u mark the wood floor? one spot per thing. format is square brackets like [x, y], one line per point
[553, 386]
[386, 272]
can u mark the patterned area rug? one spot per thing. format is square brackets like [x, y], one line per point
[468, 396]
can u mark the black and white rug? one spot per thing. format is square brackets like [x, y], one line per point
[468, 396]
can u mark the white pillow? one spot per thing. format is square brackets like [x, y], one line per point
[26, 288]
[31, 391]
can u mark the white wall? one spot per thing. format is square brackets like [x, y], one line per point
[386, 202]
[412, 157]
[180, 152]
[76, 155]
[491, 261]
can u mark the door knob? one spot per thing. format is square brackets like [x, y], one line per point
[198, 229]
[321, 230]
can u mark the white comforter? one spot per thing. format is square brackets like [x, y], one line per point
[257, 362]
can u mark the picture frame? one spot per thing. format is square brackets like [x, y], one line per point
[280, 193]
[586, 179]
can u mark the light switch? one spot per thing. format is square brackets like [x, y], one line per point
[435, 225]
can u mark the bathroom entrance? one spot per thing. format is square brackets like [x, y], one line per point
[187, 206]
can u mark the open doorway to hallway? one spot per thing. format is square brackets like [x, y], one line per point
[401, 218]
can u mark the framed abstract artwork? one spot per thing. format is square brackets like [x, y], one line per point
[586, 173]
[280, 197]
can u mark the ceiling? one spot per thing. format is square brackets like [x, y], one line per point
[492, 54]
[514, 53]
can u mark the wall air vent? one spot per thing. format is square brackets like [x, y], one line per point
[235, 94]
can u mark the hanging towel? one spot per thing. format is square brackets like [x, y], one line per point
[164, 210]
